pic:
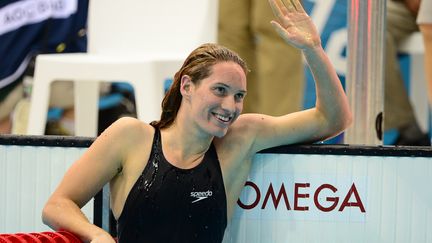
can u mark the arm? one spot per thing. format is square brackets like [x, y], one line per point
[331, 115]
[98, 165]
[426, 30]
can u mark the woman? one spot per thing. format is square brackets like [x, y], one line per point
[178, 179]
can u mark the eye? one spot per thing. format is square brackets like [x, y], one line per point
[220, 90]
[239, 97]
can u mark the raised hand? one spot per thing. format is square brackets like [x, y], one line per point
[294, 25]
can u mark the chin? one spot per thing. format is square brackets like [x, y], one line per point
[215, 129]
[221, 132]
[220, 135]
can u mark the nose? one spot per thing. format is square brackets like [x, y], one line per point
[229, 104]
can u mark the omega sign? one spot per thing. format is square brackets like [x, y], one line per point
[296, 197]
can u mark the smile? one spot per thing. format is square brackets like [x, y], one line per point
[222, 117]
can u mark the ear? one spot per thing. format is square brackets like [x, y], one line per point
[185, 85]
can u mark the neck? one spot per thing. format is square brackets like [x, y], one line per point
[183, 145]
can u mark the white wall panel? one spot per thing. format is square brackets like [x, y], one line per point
[28, 175]
[394, 191]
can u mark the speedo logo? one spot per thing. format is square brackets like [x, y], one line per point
[200, 195]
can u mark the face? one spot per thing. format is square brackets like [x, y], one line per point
[217, 101]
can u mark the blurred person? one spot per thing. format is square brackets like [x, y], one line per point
[404, 18]
[424, 21]
[276, 81]
[178, 179]
[29, 28]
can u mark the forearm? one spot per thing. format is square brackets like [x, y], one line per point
[63, 214]
[331, 100]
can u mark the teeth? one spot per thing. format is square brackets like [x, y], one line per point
[223, 118]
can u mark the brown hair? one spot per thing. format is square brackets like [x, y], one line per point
[197, 66]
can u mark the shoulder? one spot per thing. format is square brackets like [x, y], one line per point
[127, 132]
[240, 136]
[254, 132]
[123, 145]
[248, 126]
[129, 127]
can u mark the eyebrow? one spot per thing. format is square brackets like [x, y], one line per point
[227, 86]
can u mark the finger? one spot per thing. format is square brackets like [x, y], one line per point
[277, 10]
[286, 35]
[298, 6]
[281, 31]
[289, 6]
[284, 8]
[281, 12]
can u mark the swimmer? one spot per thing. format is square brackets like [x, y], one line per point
[178, 179]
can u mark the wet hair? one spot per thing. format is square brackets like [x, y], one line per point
[198, 66]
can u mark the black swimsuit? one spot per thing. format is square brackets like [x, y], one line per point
[169, 204]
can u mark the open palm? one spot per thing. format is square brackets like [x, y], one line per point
[294, 25]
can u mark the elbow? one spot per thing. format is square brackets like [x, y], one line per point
[347, 119]
[52, 212]
[47, 213]
[337, 118]
[341, 123]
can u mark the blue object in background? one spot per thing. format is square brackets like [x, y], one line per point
[167, 84]
[336, 23]
[334, 34]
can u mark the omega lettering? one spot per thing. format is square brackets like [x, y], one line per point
[277, 198]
